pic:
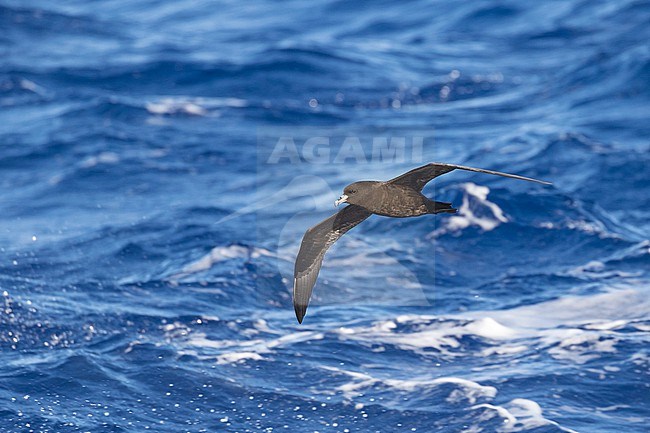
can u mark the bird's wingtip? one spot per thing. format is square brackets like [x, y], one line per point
[300, 310]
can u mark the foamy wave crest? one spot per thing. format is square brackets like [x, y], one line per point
[219, 254]
[254, 347]
[192, 106]
[476, 210]
[518, 415]
[461, 389]
[573, 329]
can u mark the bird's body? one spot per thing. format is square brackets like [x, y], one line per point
[400, 197]
[397, 201]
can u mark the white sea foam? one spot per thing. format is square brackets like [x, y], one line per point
[251, 349]
[220, 254]
[574, 329]
[580, 347]
[474, 197]
[439, 336]
[597, 269]
[519, 414]
[617, 304]
[175, 106]
[191, 106]
[428, 334]
[607, 325]
[558, 327]
[463, 389]
[102, 158]
[487, 327]
[236, 357]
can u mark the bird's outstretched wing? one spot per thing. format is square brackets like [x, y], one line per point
[315, 244]
[419, 177]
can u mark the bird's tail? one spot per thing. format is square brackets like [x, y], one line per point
[440, 207]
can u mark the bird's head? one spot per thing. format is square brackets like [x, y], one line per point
[355, 192]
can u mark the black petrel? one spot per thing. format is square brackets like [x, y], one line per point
[400, 197]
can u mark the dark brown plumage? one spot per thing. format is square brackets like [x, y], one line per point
[400, 197]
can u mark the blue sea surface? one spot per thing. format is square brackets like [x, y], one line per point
[157, 176]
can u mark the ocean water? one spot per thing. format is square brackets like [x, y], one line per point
[160, 161]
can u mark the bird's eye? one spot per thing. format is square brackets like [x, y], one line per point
[352, 191]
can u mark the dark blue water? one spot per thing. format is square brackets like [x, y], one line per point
[147, 236]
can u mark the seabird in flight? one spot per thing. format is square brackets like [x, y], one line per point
[400, 197]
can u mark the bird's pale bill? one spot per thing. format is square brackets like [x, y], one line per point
[342, 199]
